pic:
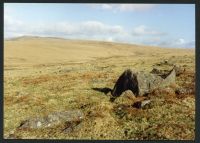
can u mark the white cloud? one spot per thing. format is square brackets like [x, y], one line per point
[96, 27]
[106, 6]
[178, 43]
[15, 27]
[136, 7]
[144, 30]
[124, 7]
[86, 29]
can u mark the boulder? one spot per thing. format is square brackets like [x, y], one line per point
[53, 119]
[141, 83]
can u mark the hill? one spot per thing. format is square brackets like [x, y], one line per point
[27, 51]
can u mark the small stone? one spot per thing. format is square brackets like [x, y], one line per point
[12, 132]
[39, 124]
[141, 104]
[145, 102]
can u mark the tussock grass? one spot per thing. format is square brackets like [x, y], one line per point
[62, 79]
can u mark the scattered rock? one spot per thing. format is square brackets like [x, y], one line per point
[180, 91]
[53, 119]
[165, 62]
[142, 104]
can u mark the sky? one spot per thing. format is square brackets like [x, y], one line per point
[164, 25]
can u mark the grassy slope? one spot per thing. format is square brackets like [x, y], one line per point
[44, 75]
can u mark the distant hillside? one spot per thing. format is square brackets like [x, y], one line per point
[29, 50]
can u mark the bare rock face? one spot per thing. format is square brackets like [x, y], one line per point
[147, 82]
[53, 119]
[163, 73]
[128, 94]
[159, 72]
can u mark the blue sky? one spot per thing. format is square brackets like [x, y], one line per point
[165, 25]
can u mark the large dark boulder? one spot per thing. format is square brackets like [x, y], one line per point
[141, 83]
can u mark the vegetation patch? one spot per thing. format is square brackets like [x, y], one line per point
[38, 90]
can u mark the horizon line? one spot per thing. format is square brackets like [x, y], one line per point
[92, 40]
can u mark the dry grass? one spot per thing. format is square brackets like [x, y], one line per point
[44, 75]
